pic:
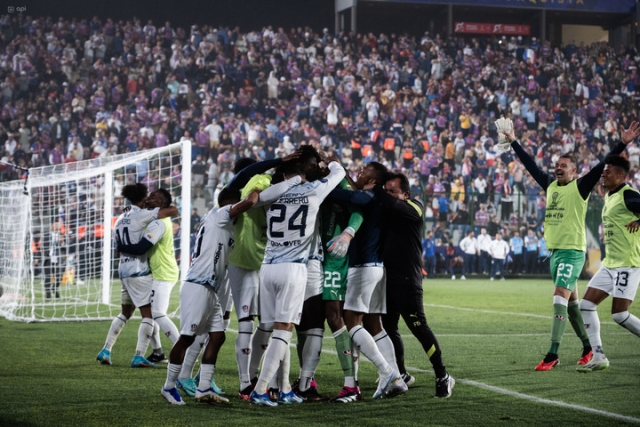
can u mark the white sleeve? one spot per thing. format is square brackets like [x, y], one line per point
[155, 230]
[274, 192]
[147, 215]
[222, 216]
[331, 181]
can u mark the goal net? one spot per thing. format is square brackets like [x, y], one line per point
[57, 260]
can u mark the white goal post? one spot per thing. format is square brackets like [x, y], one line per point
[57, 261]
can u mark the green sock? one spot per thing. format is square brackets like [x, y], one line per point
[343, 348]
[557, 327]
[575, 317]
[302, 337]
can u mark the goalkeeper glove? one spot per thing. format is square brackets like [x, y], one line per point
[339, 245]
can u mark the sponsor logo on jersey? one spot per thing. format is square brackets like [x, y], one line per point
[286, 244]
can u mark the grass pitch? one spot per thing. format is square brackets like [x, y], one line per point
[492, 335]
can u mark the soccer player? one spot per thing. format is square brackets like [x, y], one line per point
[565, 234]
[340, 222]
[244, 263]
[402, 252]
[620, 271]
[202, 311]
[134, 271]
[365, 299]
[291, 221]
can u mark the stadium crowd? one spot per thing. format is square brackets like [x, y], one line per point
[76, 89]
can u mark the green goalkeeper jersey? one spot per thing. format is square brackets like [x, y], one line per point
[622, 247]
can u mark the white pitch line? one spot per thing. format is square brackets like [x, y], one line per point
[508, 313]
[524, 396]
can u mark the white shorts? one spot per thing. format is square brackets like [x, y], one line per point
[366, 290]
[160, 296]
[200, 310]
[139, 289]
[620, 282]
[244, 290]
[282, 292]
[315, 279]
[125, 299]
[224, 295]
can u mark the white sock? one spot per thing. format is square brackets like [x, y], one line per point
[168, 327]
[259, 343]
[627, 321]
[310, 356]
[225, 323]
[116, 327]
[385, 345]
[367, 346]
[155, 343]
[144, 336]
[283, 372]
[191, 356]
[592, 325]
[273, 382]
[355, 353]
[172, 375]
[273, 358]
[243, 352]
[206, 373]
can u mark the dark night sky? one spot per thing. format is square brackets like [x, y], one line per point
[248, 14]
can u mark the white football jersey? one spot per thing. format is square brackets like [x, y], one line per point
[213, 246]
[316, 251]
[291, 220]
[129, 230]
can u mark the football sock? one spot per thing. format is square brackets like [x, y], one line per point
[226, 322]
[273, 357]
[144, 336]
[592, 326]
[577, 323]
[172, 374]
[168, 327]
[367, 346]
[259, 344]
[345, 356]
[627, 321]
[310, 356]
[155, 343]
[206, 373]
[283, 372]
[386, 348]
[116, 327]
[243, 350]
[191, 356]
[301, 339]
[273, 382]
[559, 322]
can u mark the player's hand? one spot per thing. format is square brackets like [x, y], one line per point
[510, 134]
[631, 133]
[633, 226]
[292, 156]
[332, 158]
[339, 245]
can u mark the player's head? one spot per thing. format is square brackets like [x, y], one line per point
[373, 173]
[615, 171]
[565, 169]
[242, 163]
[135, 193]
[309, 161]
[228, 197]
[397, 185]
[160, 198]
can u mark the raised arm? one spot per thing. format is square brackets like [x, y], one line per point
[274, 192]
[543, 179]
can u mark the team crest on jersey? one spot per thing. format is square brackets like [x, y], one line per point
[194, 327]
[149, 235]
[245, 308]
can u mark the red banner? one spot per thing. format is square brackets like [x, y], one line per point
[483, 28]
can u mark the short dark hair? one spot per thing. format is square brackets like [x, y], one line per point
[228, 195]
[380, 172]
[618, 161]
[404, 181]
[308, 153]
[242, 163]
[569, 157]
[135, 193]
[167, 197]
